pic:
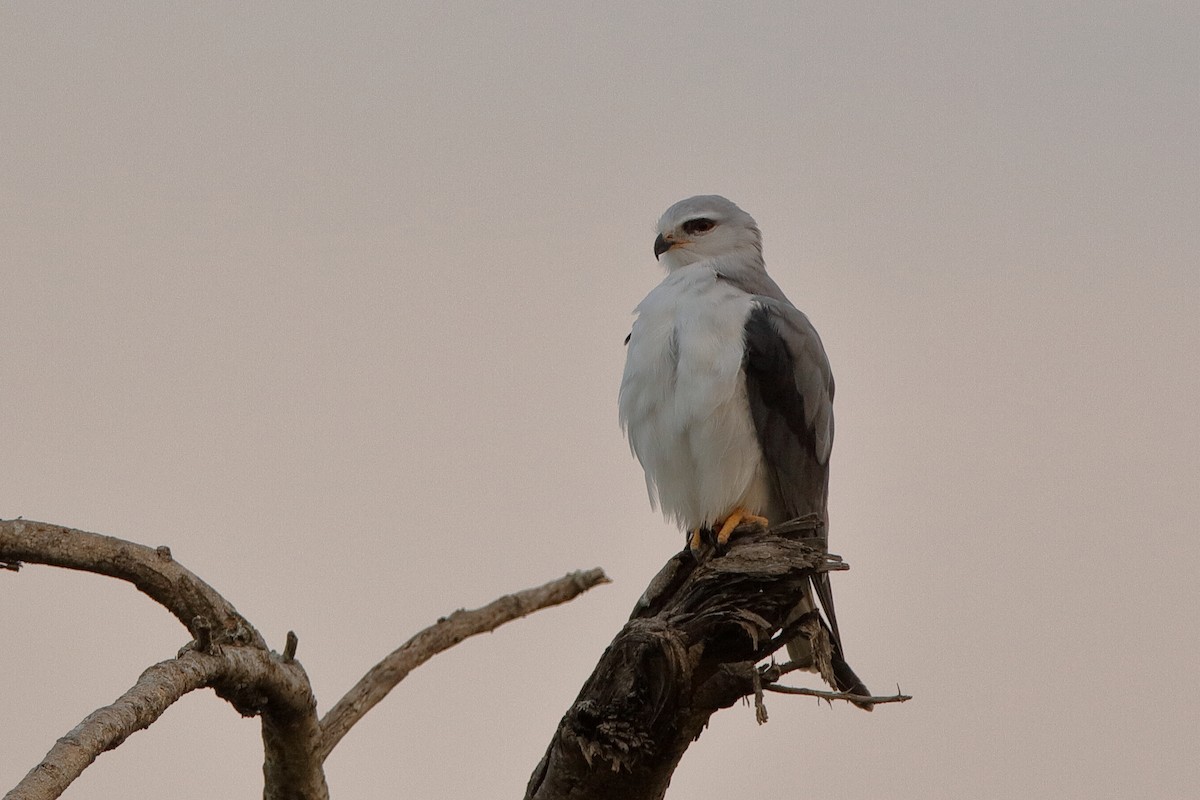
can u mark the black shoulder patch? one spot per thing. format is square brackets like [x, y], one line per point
[771, 372]
[799, 480]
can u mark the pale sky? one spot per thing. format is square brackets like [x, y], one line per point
[330, 298]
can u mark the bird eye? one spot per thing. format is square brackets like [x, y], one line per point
[702, 225]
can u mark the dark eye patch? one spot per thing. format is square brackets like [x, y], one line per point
[702, 225]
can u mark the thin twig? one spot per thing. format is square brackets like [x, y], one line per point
[446, 633]
[852, 698]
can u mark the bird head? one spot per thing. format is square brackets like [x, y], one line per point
[704, 227]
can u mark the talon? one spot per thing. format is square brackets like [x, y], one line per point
[701, 541]
[739, 516]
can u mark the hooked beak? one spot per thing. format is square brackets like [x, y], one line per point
[661, 245]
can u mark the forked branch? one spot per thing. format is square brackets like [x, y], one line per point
[230, 656]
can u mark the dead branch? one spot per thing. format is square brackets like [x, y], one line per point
[849, 698]
[106, 728]
[444, 634]
[690, 648]
[151, 570]
[256, 682]
[230, 656]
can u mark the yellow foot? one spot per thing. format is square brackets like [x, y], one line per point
[696, 540]
[738, 516]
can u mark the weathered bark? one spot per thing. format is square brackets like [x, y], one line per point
[690, 648]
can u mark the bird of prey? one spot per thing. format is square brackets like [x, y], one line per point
[727, 396]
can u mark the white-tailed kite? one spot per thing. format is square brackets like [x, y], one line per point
[727, 396]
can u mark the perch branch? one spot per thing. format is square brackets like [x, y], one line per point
[691, 647]
[446, 633]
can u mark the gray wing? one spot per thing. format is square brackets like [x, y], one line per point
[790, 389]
[787, 364]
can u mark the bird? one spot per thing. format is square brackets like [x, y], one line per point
[727, 398]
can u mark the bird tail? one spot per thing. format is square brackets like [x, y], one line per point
[819, 649]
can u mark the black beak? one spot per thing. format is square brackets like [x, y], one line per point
[661, 246]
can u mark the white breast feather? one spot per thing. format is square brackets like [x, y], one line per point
[683, 399]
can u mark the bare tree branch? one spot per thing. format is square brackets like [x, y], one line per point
[230, 656]
[254, 681]
[850, 698]
[446, 633]
[106, 728]
[152, 570]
